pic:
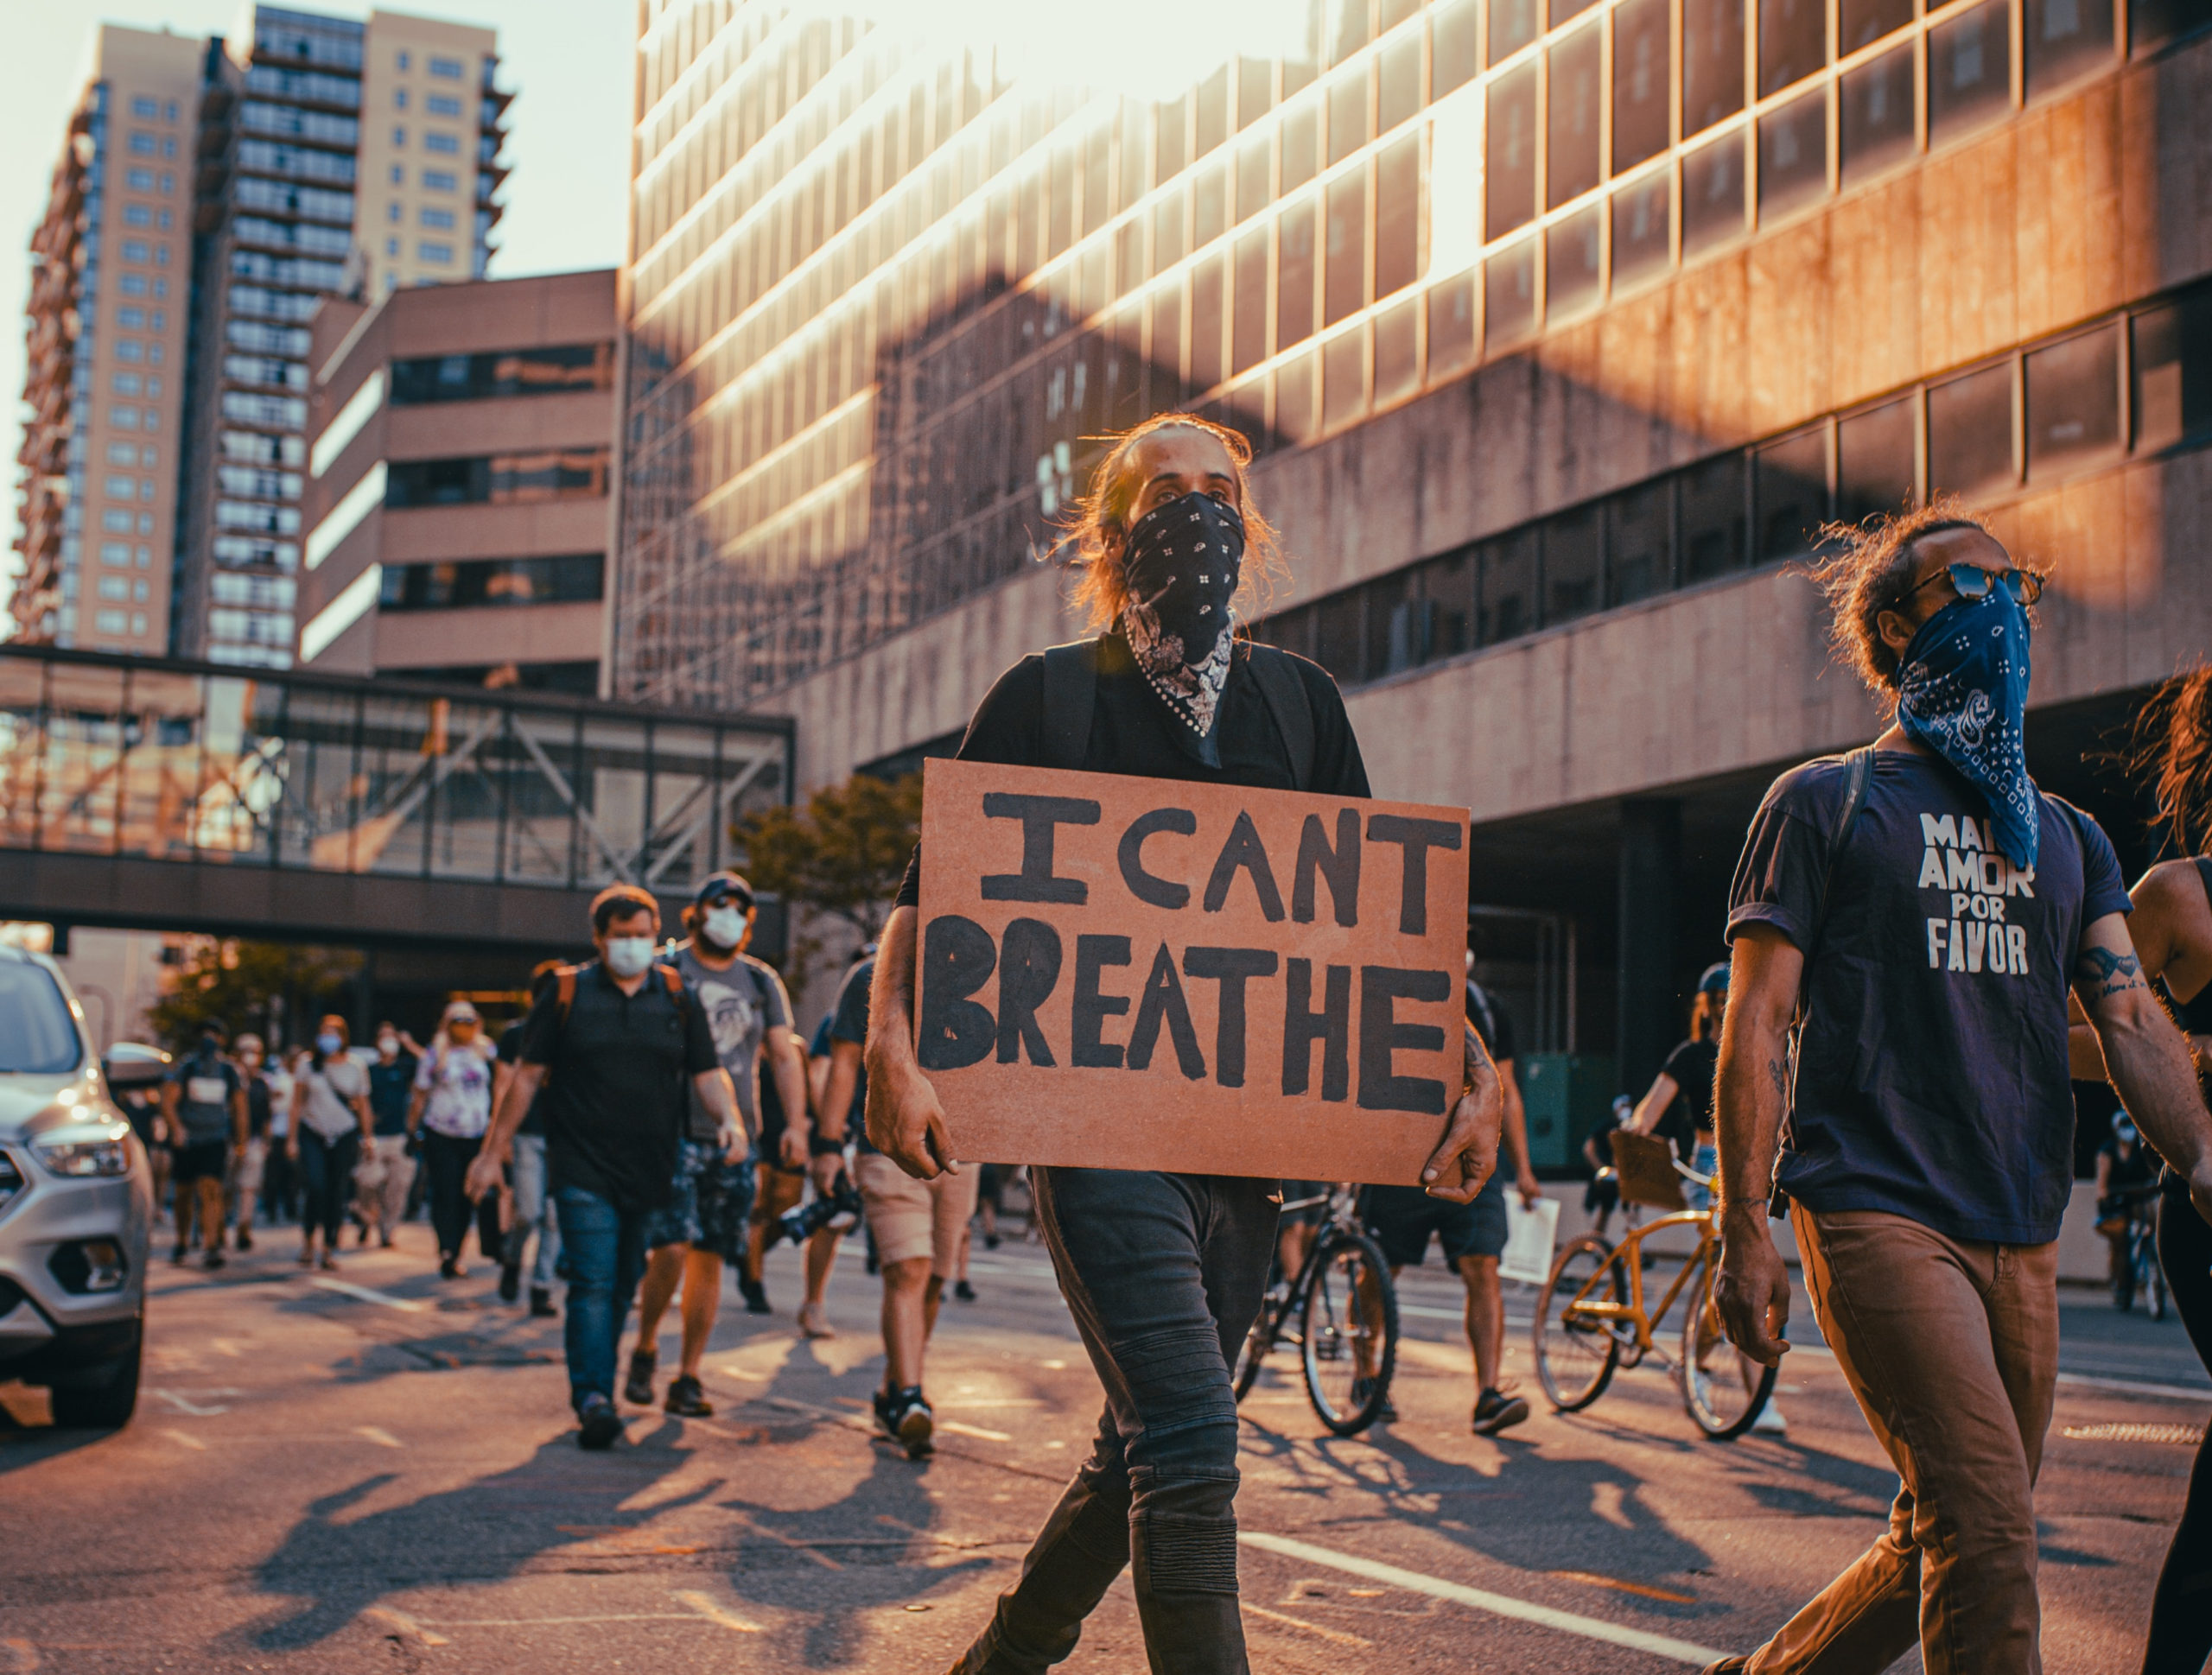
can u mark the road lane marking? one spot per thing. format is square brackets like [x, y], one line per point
[186, 1438]
[804, 1549]
[405, 1626]
[362, 1293]
[1500, 1605]
[183, 1405]
[2133, 1387]
[1643, 1589]
[378, 1435]
[1336, 1635]
[975, 1430]
[715, 1613]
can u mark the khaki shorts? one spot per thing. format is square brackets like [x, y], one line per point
[911, 1218]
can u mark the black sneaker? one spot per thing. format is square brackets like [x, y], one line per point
[911, 1421]
[245, 1237]
[755, 1296]
[509, 1282]
[1495, 1410]
[214, 1259]
[178, 1255]
[883, 1420]
[687, 1400]
[1385, 1413]
[963, 1290]
[639, 1388]
[597, 1424]
[541, 1302]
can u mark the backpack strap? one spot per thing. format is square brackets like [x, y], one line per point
[1071, 694]
[1290, 705]
[565, 983]
[1859, 773]
[674, 979]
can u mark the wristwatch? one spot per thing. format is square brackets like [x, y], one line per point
[822, 1145]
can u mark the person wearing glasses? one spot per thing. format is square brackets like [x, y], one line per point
[1928, 931]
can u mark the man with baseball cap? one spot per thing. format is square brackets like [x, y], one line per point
[703, 1224]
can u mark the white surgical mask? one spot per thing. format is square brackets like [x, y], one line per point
[327, 1042]
[725, 926]
[628, 956]
[388, 1045]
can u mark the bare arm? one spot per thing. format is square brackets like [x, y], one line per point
[498, 1140]
[1516, 1135]
[1653, 1106]
[1752, 1089]
[719, 1094]
[2148, 1060]
[905, 1120]
[788, 1066]
[238, 1119]
[1457, 1170]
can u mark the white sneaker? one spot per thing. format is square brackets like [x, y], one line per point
[1770, 1421]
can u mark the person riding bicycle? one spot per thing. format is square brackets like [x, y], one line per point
[1679, 1106]
[1403, 1218]
[2127, 1176]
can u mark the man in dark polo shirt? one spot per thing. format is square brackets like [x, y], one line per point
[620, 1037]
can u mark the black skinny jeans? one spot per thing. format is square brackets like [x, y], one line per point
[1163, 1274]
[446, 1159]
[327, 1168]
[2181, 1609]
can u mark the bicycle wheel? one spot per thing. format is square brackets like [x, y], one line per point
[1351, 1333]
[1723, 1388]
[1575, 1354]
[1254, 1350]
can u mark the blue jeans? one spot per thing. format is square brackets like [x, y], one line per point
[606, 1249]
[1163, 1274]
[1707, 1161]
[533, 1209]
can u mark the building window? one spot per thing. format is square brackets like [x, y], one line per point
[141, 106]
[142, 144]
[399, 98]
[398, 175]
[1970, 434]
[439, 220]
[1969, 70]
[2073, 399]
[139, 180]
[137, 249]
[137, 215]
[437, 180]
[404, 61]
[1877, 129]
[450, 69]
[441, 254]
[443, 104]
[497, 479]
[446, 144]
[475, 583]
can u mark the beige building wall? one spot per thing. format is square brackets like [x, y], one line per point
[137, 329]
[423, 98]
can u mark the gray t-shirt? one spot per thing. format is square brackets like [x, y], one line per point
[742, 1001]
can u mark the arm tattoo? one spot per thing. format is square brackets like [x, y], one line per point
[1780, 1078]
[2105, 974]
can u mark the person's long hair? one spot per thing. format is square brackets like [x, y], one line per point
[344, 1040]
[1100, 518]
[2171, 749]
[1705, 1016]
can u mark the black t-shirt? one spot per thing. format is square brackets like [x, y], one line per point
[1492, 1023]
[849, 1023]
[2138, 1169]
[1931, 1081]
[1691, 1066]
[1131, 732]
[533, 1120]
[618, 1072]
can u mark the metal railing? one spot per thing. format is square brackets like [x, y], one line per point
[109, 756]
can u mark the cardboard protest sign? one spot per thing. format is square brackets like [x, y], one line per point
[1148, 974]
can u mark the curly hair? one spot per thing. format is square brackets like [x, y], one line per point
[1868, 570]
[1102, 514]
[2171, 746]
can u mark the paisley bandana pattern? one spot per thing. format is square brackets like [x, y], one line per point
[1962, 691]
[1183, 561]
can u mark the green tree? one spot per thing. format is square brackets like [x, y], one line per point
[237, 983]
[841, 854]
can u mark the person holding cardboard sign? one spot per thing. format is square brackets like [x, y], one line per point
[1162, 1271]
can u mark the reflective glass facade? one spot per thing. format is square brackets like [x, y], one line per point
[882, 293]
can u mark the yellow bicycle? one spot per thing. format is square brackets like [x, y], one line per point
[1593, 1320]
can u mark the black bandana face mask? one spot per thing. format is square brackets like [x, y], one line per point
[1183, 562]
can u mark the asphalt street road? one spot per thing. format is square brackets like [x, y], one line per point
[376, 1471]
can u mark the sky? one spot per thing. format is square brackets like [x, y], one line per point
[567, 137]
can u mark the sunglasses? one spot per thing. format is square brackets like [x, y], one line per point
[743, 904]
[1972, 581]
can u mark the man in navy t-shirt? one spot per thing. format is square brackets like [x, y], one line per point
[1924, 1135]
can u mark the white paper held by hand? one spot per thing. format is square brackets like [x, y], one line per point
[1529, 1235]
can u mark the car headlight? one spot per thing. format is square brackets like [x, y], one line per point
[84, 1157]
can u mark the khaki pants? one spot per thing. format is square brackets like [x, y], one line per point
[1952, 1350]
[384, 1205]
[911, 1218]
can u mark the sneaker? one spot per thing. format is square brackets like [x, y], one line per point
[687, 1400]
[811, 1324]
[329, 1263]
[991, 1241]
[597, 1423]
[177, 1256]
[1771, 1422]
[755, 1296]
[306, 1255]
[451, 1267]
[245, 1237]
[1384, 1414]
[639, 1387]
[214, 1259]
[541, 1302]
[963, 1290]
[907, 1417]
[1495, 1410]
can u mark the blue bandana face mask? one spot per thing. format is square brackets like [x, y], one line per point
[1963, 689]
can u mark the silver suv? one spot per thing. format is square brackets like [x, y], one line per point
[76, 1204]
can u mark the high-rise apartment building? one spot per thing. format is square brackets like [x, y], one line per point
[106, 332]
[333, 156]
[1561, 326]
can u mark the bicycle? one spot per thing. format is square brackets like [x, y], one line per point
[2138, 1271]
[1591, 1318]
[1346, 1315]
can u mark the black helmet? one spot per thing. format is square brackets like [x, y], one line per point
[1715, 981]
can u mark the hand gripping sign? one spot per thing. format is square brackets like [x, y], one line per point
[1149, 974]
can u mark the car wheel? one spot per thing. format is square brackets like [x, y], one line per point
[106, 1406]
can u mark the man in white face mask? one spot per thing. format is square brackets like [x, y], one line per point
[621, 1039]
[703, 1225]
